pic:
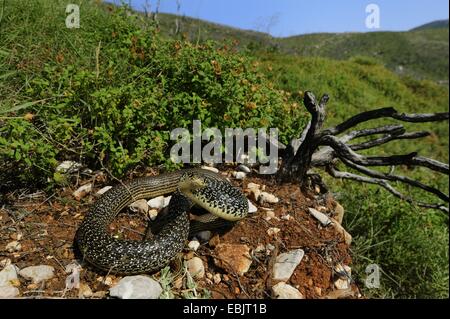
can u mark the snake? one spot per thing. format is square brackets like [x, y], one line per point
[189, 187]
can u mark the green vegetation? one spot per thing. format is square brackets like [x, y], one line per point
[409, 244]
[421, 53]
[109, 93]
[112, 101]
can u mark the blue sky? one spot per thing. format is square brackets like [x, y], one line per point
[292, 17]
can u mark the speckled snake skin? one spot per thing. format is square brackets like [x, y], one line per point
[191, 186]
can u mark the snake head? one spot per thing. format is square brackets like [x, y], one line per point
[190, 182]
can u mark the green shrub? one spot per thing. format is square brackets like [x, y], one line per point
[118, 111]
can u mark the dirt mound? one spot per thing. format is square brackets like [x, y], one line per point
[45, 228]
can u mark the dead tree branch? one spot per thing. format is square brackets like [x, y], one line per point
[319, 147]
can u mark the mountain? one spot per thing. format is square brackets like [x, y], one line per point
[421, 53]
[438, 24]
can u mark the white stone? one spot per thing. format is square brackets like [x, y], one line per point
[217, 278]
[84, 291]
[251, 208]
[244, 169]
[286, 217]
[140, 206]
[152, 214]
[210, 168]
[285, 291]
[157, 202]
[136, 287]
[286, 263]
[74, 266]
[341, 284]
[5, 262]
[239, 175]
[8, 292]
[68, 167]
[321, 217]
[37, 273]
[194, 245]
[82, 191]
[341, 230]
[195, 267]
[345, 274]
[167, 201]
[7, 274]
[265, 197]
[339, 213]
[253, 186]
[13, 246]
[272, 231]
[270, 214]
[103, 190]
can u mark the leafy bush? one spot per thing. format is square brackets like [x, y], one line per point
[119, 111]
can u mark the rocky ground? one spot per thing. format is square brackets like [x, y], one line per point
[291, 246]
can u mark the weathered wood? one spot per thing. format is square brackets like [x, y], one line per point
[319, 147]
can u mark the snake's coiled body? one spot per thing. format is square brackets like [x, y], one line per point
[192, 186]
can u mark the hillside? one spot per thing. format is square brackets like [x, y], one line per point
[421, 52]
[109, 93]
[438, 24]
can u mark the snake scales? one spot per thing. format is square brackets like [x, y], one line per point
[191, 186]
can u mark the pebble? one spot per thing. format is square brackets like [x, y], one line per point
[244, 168]
[286, 263]
[8, 274]
[210, 168]
[217, 279]
[286, 217]
[103, 190]
[140, 206]
[157, 202]
[341, 230]
[253, 186]
[195, 267]
[269, 215]
[339, 213]
[136, 287]
[318, 291]
[194, 245]
[13, 246]
[265, 197]
[239, 175]
[284, 291]
[345, 276]
[8, 291]
[37, 273]
[251, 208]
[82, 191]
[272, 231]
[84, 291]
[152, 214]
[321, 217]
[68, 167]
[5, 262]
[233, 257]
